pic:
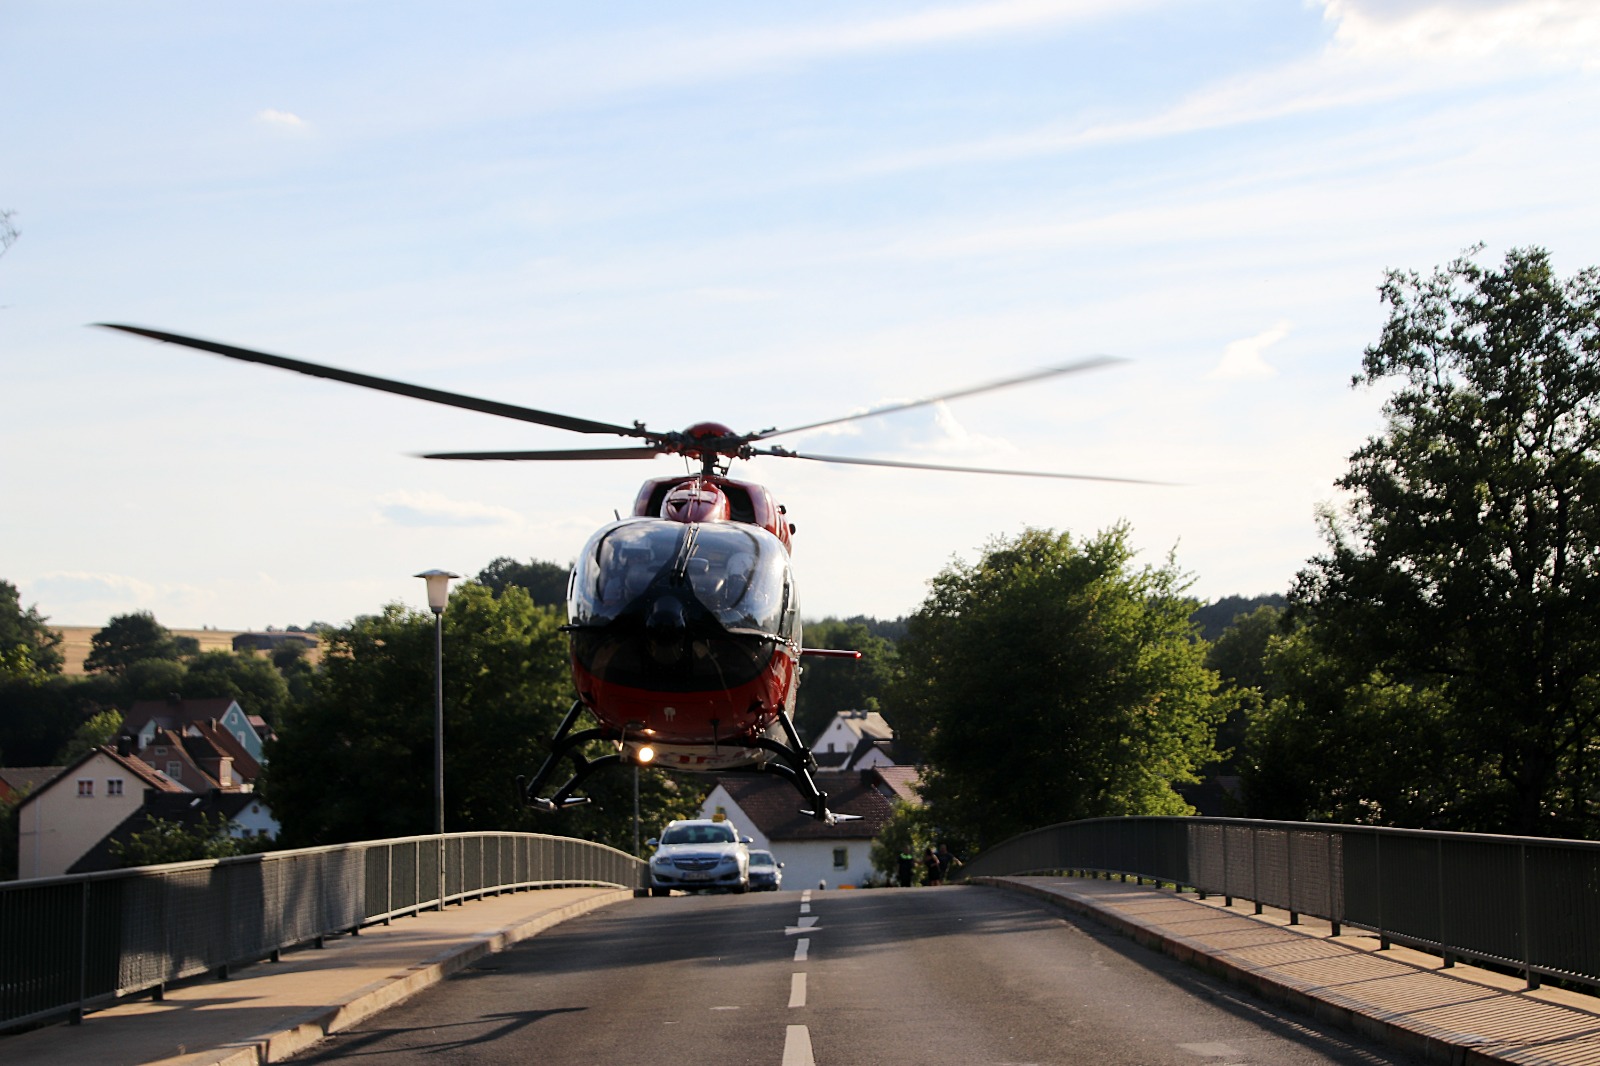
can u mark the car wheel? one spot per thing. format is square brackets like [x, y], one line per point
[660, 891]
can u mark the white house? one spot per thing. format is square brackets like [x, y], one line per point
[854, 740]
[69, 814]
[768, 810]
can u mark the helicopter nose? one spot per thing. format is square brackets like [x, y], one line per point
[665, 627]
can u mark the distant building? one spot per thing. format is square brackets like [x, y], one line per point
[17, 781]
[767, 808]
[856, 740]
[177, 714]
[243, 813]
[67, 815]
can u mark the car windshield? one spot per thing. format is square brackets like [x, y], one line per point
[698, 834]
[760, 858]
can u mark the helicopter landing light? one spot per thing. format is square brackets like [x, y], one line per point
[645, 754]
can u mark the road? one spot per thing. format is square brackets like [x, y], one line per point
[879, 978]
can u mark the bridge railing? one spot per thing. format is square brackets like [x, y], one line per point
[68, 944]
[1527, 903]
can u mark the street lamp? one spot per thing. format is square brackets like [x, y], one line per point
[438, 592]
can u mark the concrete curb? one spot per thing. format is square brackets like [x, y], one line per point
[318, 1024]
[1312, 1000]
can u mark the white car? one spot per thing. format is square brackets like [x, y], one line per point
[700, 855]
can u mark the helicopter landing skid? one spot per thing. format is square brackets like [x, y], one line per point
[565, 744]
[794, 763]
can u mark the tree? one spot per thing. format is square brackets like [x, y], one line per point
[829, 686]
[129, 638]
[545, 582]
[356, 761]
[259, 687]
[1466, 569]
[1239, 656]
[1051, 681]
[27, 645]
[100, 729]
[163, 841]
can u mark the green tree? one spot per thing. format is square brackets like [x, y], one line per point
[1053, 680]
[907, 832]
[545, 582]
[27, 644]
[1239, 657]
[828, 686]
[1467, 566]
[163, 841]
[99, 729]
[129, 638]
[356, 761]
[259, 687]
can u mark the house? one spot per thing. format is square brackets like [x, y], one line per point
[17, 781]
[176, 713]
[67, 815]
[244, 813]
[201, 759]
[855, 740]
[767, 809]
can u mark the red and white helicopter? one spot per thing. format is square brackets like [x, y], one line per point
[684, 617]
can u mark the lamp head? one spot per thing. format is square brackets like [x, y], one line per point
[438, 588]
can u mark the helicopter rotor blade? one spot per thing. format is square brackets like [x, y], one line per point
[399, 388]
[784, 453]
[972, 390]
[574, 453]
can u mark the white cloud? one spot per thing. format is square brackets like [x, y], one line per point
[280, 119]
[1244, 358]
[1561, 31]
[427, 509]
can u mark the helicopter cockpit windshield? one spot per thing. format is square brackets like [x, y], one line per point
[739, 573]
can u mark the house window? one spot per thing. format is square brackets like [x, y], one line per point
[175, 770]
[85, 786]
[841, 858]
[113, 786]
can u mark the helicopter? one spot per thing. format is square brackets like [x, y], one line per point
[683, 616]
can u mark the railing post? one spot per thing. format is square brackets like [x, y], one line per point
[1334, 913]
[1255, 867]
[1527, 931]
[83, 954]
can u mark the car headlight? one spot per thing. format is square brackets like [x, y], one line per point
[661, 860]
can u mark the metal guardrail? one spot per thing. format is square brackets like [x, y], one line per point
[1530, 904]
[69, 944]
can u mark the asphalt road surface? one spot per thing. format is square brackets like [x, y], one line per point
[884, 977]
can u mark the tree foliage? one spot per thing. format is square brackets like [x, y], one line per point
[545, 583]
[1462, 580]
[828, 686]
[131, 638]
[28, 647]
[356, 761]
[163, 841]
[1053, 680]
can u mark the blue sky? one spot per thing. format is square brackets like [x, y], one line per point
[756, 214]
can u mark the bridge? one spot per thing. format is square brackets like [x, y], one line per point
[1434, 944]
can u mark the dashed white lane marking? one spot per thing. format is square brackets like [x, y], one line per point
[797, 990]
[724, 1008]
[797, 1047]
[801, 947]
[805, 897]
[805, 908]
[807, 925]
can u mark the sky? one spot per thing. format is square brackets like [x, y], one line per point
[756, 214]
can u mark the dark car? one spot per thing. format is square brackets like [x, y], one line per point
[766, 873]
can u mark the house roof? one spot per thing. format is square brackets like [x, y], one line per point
[773, 806]
[185, 809]
[20, 780]
[903, 781]
[177, 747]
[221, 742]
[132, 764]
[174, 711]
[863, 724]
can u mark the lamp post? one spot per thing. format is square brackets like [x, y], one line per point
[438, 592]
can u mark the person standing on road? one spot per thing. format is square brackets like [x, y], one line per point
[948, 863]
[932, 871]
